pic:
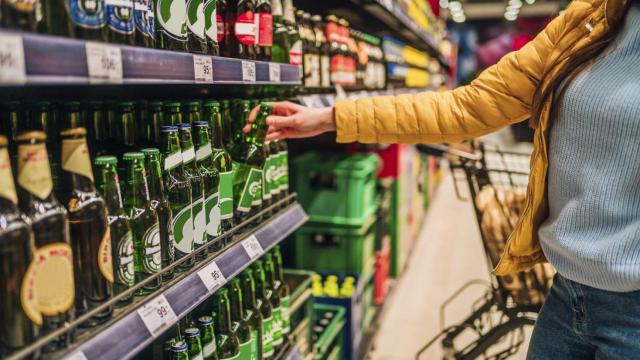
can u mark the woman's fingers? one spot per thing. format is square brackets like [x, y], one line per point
[281, 122]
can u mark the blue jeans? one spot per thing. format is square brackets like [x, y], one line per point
[581, 322]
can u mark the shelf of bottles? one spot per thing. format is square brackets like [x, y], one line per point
[322, 100]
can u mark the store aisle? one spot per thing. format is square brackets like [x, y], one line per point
[448, 254]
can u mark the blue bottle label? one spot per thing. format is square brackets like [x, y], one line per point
[87, 13]
[144, 17]
[120, 15]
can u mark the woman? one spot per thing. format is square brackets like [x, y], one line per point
[579, 83]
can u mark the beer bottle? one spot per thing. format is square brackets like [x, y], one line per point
[122, 254]
[155, 122]
[40, 117]
[264, 302]
[171, 24]
[271, 169]
[264, 19]
[90, 234]
[52, 17]
[239, 119]
[125, 126]
[160, 204]
[11, 118]
[225, 113]
[179, 350]
[223, 27]
[280, 46]
[222, 163]
[283, 292]
[249, 158]
[144, 222]
[211, 27]
[50, 224]
[96, 126]
[205, 324]
[194, 345]
[283, 174]
[19, 14]
[211, 178]
[273, 284]
[197, 186]
[228, 346]
[191, 112]
[240, 41]
[88, 19]
[251, 311]
[311, 54]
[324, 48]
[179, 193]
[196, 27]
[144, 19]
[20, 316]
[120, 23]
[295, 43]
[141, 114]
[240, 326]
[173, 113]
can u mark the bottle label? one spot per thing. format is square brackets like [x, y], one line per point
[226, 195]
[29, 294]
[144, 17]
[255, 350]
[204, 152]
[34, 171]
[245, 349]
[199, 223]
[251, 188]
[172, 17]
[151, 257]
[209, 349]
[257, 196]
[220, 27]
[182, 225]
[277, 325]
[286, 317]
[267, 337]
[210, 20]
[195, 17]
[105, 264]
[213, 215]
[172, 161]
[54, 278]
[86, 13]
[265, 29]
[124, 262]
[188, 155]
[245, 28]
[7, 187]
[267, 176]
[75, 157]
[120, 15]
[295, 54]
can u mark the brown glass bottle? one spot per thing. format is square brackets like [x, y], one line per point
[223, 28]
[241, 26]
[19, 14]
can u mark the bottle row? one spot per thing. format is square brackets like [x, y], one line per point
[76, 242]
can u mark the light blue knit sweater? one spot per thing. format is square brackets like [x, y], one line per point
[592, 235]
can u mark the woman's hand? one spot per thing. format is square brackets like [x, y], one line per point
[291, 120]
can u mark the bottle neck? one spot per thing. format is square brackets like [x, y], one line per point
[214, 117]
[109, 185]
[235, 298]
[248, 292]
[174, 117]
[154, 179]
[171, 151]
[188, 150]
[260, 284]
[223, 321]
[136, 191]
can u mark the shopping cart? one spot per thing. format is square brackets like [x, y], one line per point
[497, 182]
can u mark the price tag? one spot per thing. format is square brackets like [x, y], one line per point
[77, 355]
[248, 71]
[274, 72]
[104, 62]
[12, 69]
[252, 247]
[203, 69]
[157, 315]
[212, 277]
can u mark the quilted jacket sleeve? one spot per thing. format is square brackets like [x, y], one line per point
[499, 96]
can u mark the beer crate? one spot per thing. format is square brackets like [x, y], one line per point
[301, 308]
[336, 189]
[330, 343]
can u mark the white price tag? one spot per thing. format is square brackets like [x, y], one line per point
[157, 315]
[212, 277]
[104, 62]
[274, 72]
[248, 71]
[203, 69]
[77, 355]
[252, 247]
[12, 68]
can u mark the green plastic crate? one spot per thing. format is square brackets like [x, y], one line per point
[337, 188]
[327, 248]
[301, 307]
[329, 345]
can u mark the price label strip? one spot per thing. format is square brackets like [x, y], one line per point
[203, 69]
[248, 71]
[104, 62]
[157, 315]
[274, 72]
[212, 277]
[252, 247]
[12, 67]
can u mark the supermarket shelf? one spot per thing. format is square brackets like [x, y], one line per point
[49, 60]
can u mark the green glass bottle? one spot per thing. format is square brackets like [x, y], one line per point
[273, 284]
[196, 27]
[197, 186]
[144, 222]
[171, 24]
[194, 344]
[283, 174]
[179, 350]
[208, 337]
[125, 128]
[155, 120]
[122, 254]
[97, 127]
[228, 346]
[141, 114]
[240, 117]
[144, 19]
[264, 40]
[280, 47]
[264, 303]
[283, 291]
[179, 194]
[211, 178]
[160, 204]
[172, 113]
[227, 129]
[252, 312]
[191, 112]
[241, 328]
[271, 188]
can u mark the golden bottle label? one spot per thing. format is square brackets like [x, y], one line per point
[7, 187]
[75, 157]
[29, 295]
[34, 172]
[54, 278]
[104, 256]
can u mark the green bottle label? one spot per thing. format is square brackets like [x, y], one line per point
[245, 350]
[266, 182]
[151, 260]
[226, 195]
[284, 171]
[182, 225]
[257, 197]
[286, 317]
[199, 223]
[271, 175]
[277, 326]
[210, 20]
[195, 17]
[267, 337]
[172, 16]
[213, 215]
[255, 351]
[251, 188]
[209, 350]
[125, 269]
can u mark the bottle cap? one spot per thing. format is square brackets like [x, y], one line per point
[150, 151]
[211, 103]
[32, 135]
[79, 131]
[133, 156]
[205, 320]
[184, 126]
[168, 128]
[201, 124]
[179, 346]
[192, 103]
[106, 160]
[123, 104]
[191, 332]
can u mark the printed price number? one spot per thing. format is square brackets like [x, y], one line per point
[12, 67]
[203, 69]
[274, 72]
[104, 63]
[248, 71]
[157, 315]
[252, 247]
[212, 277]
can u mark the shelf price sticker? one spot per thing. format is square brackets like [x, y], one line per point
[274, 72]
[157, 315]
[212, 277]
[104, 62]
[12, 67]
[252, 246]
[203, 69]
[248, 71]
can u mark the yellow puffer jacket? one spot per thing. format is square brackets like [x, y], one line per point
[500, 96]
